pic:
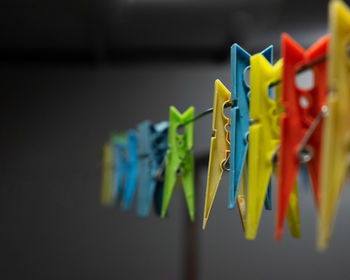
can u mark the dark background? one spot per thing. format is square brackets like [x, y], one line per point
[72, 72]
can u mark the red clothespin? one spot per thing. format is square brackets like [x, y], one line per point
[301, 124]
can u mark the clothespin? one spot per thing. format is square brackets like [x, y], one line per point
[264, 136]
[242, 197]
[161, 148]
[107, 175]
[336, 129]
[301, 123]
[158, 197]
[219, 146]
[119, 144]
[152, 151]
[132, 170]
[303, 178]
[180, 162]
[240, 63]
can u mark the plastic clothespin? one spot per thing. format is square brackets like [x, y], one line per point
[219, 146]
[242, 197]
[264, 136]
[119, 144]
[336, 128]
[152, 150]
[161, 146]
[301, 123]
[132, 170]
[107, 175]
[180, 161]
[303, 178]
[240, 63]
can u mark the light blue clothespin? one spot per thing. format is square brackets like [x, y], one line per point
[303, 177]
[240, 90]
[152, 150]
[132, 170]
[161, 148]
[144, 131]
[119, 152]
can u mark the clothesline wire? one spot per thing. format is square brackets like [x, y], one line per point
[230, 104]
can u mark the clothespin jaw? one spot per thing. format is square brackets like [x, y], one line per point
[107, 175]
[300, 134]
[146, 183]
[242, 197]
[119, 144]
[132, 170]
[160, 147]
[240, 63]
[304, 178]
[336, 129]
[180, 161]
[264, 137]
[219, 147]
[151, 150]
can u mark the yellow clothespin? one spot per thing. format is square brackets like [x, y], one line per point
[219, 146]
[336, 132]
[107, 193]
[264, 137]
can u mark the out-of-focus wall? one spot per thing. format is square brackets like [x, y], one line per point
[134, 29]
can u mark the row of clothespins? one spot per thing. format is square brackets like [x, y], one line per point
[266, 133]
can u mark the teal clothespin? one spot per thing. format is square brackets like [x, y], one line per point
[180, 161]
[119, 143]
[152, 151]
[303, 178]
[132, 170]
[240, 95]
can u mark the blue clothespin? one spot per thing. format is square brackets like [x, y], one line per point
[303, 177]
[119, 152]
[152, 151]
[158, 196]
[161, 148]
[240, 90]
[132, 170]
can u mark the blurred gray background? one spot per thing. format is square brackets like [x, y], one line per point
[72, 72]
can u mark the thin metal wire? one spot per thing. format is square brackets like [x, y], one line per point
[312, 64]
[159, 174]
[232, 104]
[203, 114]
[180, 170]
[304, 68]
[226, 164]
[305, 152]
[299, 71]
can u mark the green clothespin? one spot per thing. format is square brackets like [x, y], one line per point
[180, 162]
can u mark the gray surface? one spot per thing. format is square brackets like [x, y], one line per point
[54, 122]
